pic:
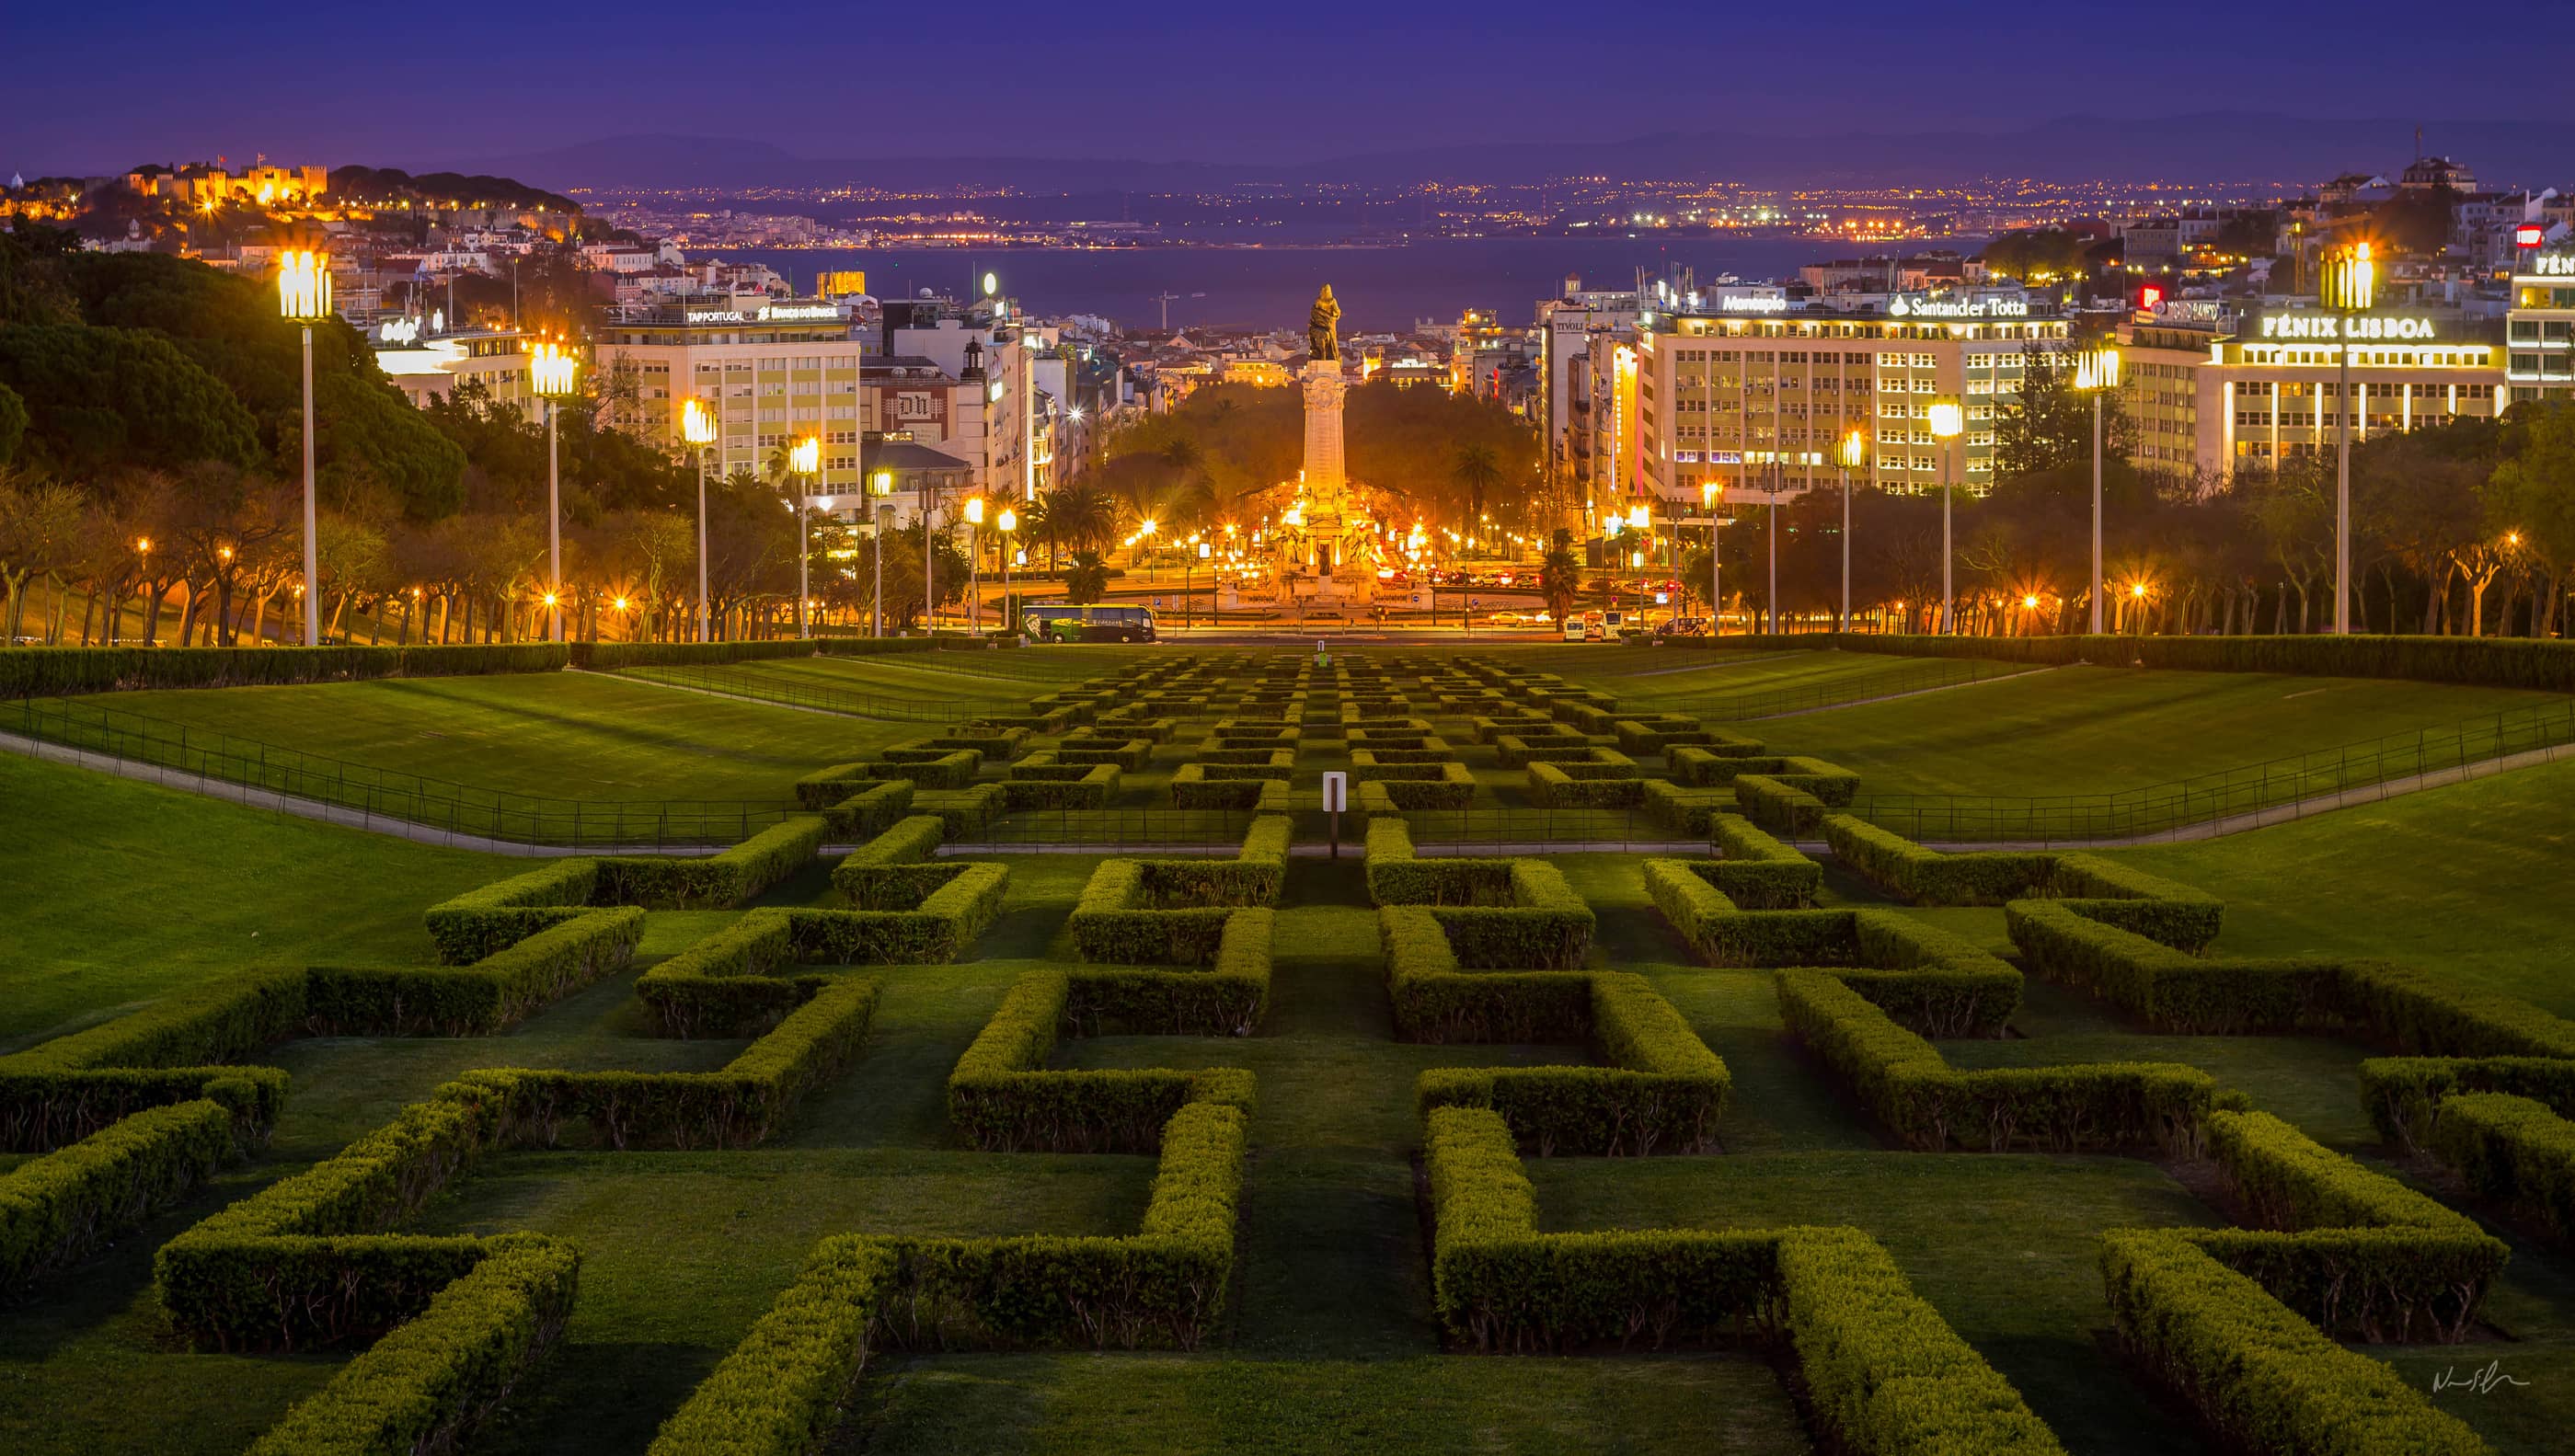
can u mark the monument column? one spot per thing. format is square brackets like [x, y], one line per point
[1324, 387]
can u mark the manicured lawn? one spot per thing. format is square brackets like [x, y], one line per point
[2081, 730]
[120, 891]
[1331, 1344]
[2471, 878]
[551, 734]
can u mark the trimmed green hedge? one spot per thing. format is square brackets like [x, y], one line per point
[1543, 923]
[61, 670]
[1927, 980]
[1002, 1095]
[883, 873]
[1883, 1373]
[1755, 871]
[1689, 811]
[1454, 788]
[963, 811]
[2264, 1378]
[716, 880]
[1193, 787]
[426, 1384]
[1553, 786]
[1177, 912]
[1519, 751]
[2351, 1250]
[1662, 1090]
[1131, 755]
[2513, 1151]
[1905, 1084]
[1795, 798]
[2101, 890]
[503, 914]
[59, 1207]
[1395, 877]
[490, 996]
[1090, 787]
[782, 1390]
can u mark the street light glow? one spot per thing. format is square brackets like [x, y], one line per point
[303, 285]
[696, 423]
[974, 511]
[1854, 451]
[1946, 420]
[550, 369]
[805, 456]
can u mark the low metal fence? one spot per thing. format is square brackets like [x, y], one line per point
[733, 682]
[2288, 787]
[366, 795]
[1843, 691]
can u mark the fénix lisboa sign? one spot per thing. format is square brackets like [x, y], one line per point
[2331, 326]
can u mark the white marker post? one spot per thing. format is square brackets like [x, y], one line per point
[1337, 796]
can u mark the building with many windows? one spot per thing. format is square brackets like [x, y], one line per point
[428, 367]
[1722, 393]
[778, 368]
[2539, 330]
[2217, 391]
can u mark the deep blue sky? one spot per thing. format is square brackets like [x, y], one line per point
[95, 86]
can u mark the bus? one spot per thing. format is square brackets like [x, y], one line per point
[1062, 621]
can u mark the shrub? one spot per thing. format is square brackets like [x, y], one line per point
[1131, 755]
[1455, 787]
[2358, 1250]
[1093, 788]
[61, 670]
[480, 921]
[1902, 1080]
[1551, 787]
[1757, 872]
[891, 860]
[963, 900]
[1194, 787]
[492, 994]
[2263, 1377]
[428, 1382]
[59, 1207]
[2513, 1151]
[782, 1390]
[1662, 1090]
[717, 880]
[1395, 877]
[963, 811]
[1689, 811]
[1927, 876]
[1545, 922]
[1002, 1095]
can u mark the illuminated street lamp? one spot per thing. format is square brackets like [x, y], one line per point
[550, 371]
[1010, 525]
[804, 458]
[975, 565]
[698, 428]
[2096, 373]
[1851, 455]
[1710, 496]
[304, 297]
[1946, 420]
[2351, 285]
[879, 485]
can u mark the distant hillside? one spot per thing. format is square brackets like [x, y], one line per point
[475, 190]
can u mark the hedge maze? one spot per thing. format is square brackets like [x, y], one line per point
[1235, 1145]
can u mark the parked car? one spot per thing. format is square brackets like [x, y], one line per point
[1576, 629]
[1682, 626]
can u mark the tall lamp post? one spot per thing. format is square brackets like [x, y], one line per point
[304, 297]
[1710, 496]
[879, 485]
[698, 428]
[1946, 419]
[975, 565]
[804, 458]
[1853, 452]
[2096, 373]
[550, 371]
[2351, 285]
[1010, 526]
[1205, 552]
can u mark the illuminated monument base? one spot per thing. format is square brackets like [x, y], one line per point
[1327, 539]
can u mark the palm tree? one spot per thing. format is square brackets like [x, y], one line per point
[1080, 516]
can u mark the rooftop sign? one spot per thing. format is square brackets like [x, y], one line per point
[1917, 306]
[2331, 326]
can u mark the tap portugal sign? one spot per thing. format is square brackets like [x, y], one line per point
[2298, 327]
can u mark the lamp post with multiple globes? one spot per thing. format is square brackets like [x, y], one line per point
[2095, 374]
[1946, 420]
[1009, 525]
[804, 458]
[698, 428]
[879, 485]
[1853, 452]
[2351, 284]
[550, 373]
[973, 566]
[304, 297]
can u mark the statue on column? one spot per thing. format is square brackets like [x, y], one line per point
[1322, 337]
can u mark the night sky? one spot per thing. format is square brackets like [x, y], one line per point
[96, 87]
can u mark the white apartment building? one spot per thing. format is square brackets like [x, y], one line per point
[2539, 330]
[773, 370]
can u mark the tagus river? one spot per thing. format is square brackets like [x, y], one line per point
[1381, 286]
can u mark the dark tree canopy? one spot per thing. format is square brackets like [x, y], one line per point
[106, 399]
